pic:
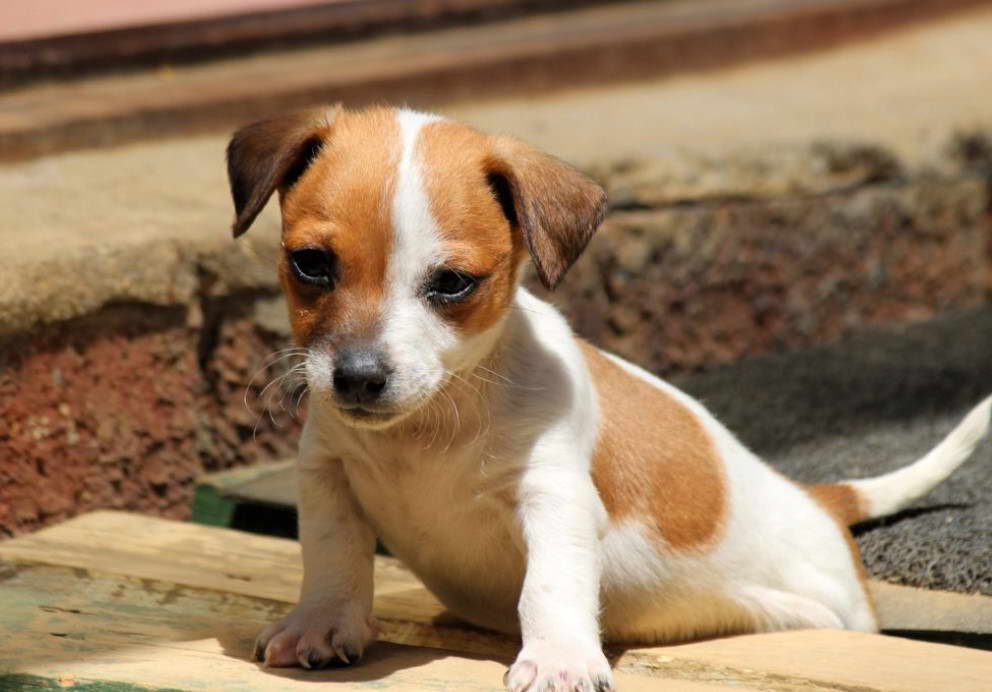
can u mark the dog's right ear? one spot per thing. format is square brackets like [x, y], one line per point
[271, 155]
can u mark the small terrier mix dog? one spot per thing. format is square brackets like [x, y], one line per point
[537, 485]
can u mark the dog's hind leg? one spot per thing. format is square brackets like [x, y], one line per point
[780, 610]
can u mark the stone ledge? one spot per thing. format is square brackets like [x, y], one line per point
[69, 283]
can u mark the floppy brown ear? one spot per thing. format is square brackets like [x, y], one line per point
[555, 207]
[272, 154]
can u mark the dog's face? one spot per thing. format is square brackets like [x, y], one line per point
[403, 237]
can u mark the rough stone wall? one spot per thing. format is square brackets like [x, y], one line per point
[691, 286]
[125, 407]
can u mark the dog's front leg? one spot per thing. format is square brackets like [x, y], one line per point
[333, 619]
[561, 519]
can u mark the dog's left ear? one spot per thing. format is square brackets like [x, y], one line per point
[273, 154]
[554, 206]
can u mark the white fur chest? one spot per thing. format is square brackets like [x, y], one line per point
[438, 508]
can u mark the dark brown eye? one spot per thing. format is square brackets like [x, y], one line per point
[313, 266]
[450, 286]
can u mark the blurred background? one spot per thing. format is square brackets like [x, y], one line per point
[800, 229]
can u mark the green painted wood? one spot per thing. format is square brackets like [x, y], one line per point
[71, 628]
[19, 682]
[211, 507]
[220, 496]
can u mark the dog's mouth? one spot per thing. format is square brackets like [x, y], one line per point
[363, 416]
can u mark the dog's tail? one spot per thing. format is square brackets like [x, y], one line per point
[857, 500]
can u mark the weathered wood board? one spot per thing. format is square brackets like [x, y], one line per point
[68, 626]
[113, 601]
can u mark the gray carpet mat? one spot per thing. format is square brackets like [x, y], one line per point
[866, 406]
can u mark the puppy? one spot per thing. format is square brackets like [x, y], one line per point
[537, 485]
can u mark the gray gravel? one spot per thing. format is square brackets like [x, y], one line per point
[869, 405]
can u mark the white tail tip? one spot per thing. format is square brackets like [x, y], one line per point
[889, 493]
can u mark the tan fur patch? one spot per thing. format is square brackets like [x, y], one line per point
[654, 459]
[477, 236]
[840, 499]
[343, 204]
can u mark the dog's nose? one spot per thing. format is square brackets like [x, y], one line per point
[360, 375]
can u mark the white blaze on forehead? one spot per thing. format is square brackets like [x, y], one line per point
[416, 239]
[412, 333]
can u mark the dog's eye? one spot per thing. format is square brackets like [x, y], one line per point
[312, 266]
[449, 286]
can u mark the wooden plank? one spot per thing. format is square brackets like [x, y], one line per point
[188, 554]
[174, 558]
[845, 660]
[909, 608]
[237, 563]
[66, 628]
[583, 47]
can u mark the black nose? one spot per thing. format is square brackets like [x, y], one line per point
[360, 375]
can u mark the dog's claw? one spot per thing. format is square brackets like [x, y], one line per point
[314, 638]
[347, 655]
[567, 666]
[312, 660]
[603, 684]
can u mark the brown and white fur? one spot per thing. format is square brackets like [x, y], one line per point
[536, 484]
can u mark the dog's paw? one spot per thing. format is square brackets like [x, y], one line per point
[560, 667]
[316, 636]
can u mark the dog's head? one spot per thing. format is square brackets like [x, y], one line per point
[403, 236]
